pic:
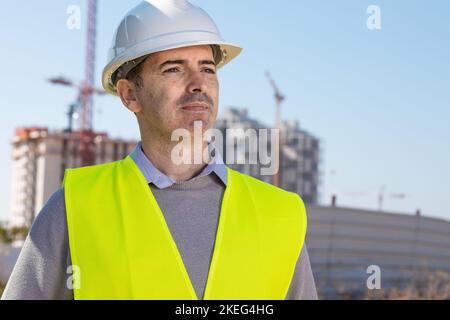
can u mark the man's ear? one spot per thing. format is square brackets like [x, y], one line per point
[127, 93]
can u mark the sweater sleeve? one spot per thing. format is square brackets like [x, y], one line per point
[302, 286]
[40, 270]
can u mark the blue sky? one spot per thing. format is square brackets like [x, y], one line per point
[378, 100]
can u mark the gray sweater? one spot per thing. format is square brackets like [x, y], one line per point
[191, 210]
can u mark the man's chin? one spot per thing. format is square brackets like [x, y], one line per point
[193, 131]
[197, 126]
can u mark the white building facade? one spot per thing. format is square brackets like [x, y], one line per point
[343, 242]
[39, 158]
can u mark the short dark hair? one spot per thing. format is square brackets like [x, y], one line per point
[130, 71]
[135, 75]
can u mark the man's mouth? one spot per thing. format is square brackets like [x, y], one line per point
[195, 107]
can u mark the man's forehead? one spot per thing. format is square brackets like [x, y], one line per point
[197, 52]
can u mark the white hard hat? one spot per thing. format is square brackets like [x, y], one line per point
[158, 25]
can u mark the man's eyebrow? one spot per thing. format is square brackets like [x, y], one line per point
[170, 62]
[207, 62]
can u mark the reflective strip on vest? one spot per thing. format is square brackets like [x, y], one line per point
[122, 247]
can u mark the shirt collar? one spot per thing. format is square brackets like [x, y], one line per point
[162, 181]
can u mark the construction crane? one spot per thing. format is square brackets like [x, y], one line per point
[279, 98]
[86, 90]
[74, 108]
[381, 195]
[65, 82]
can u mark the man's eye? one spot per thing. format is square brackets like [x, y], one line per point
[171, 70]
[209, 70]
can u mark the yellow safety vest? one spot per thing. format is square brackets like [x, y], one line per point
[121, 247]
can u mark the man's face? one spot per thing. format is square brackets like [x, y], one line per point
[180, 87]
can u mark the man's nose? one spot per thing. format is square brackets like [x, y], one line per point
[196, 83]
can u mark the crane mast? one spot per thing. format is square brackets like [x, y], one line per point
[279, 98]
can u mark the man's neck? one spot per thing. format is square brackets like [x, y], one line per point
[160, 155]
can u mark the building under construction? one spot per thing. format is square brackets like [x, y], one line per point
[39, 158]
[300, 159]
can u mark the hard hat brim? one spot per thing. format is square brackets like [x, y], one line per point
[229, 52]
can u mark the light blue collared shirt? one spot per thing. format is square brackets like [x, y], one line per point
[162, 181]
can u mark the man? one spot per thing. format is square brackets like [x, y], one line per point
[147, 227]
